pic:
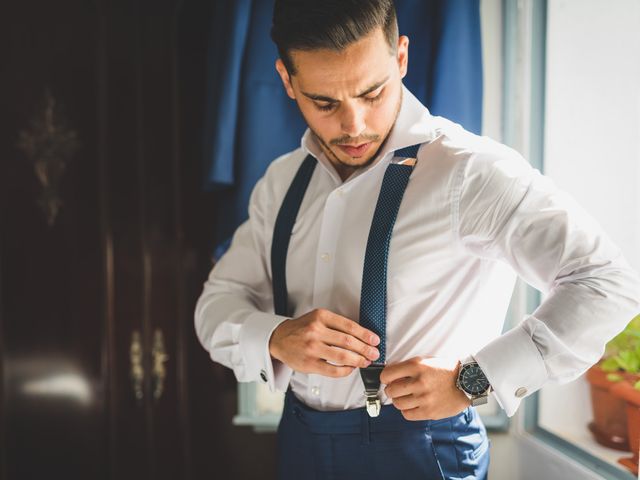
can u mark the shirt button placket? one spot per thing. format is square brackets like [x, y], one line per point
[327, 237]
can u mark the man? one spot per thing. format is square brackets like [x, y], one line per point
[472, 212]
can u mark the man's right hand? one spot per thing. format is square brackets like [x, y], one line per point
[308, 342]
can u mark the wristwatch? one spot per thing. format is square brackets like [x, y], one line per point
[473, 382]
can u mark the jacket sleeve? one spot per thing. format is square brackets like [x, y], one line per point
[505, 210]
[234, 315]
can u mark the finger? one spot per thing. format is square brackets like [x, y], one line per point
[346, 325]
[342, 357]
[397, 370]
[349, 342]
[414, 414]
[406, 402]
[400, 387]
[328, 370]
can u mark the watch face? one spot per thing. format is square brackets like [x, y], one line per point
[472, 380]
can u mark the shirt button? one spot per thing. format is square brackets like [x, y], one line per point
[325, 257]
[263, 376]
[341, 193]
[521, 392]
[315, 391]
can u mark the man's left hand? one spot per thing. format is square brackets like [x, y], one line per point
[424, 388]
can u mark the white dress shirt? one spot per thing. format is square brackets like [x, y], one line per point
[474, 215]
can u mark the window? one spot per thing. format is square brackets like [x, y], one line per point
[582, 99]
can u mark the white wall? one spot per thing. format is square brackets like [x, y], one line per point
[592, 141]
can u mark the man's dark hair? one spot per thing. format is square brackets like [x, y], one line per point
[329, 24]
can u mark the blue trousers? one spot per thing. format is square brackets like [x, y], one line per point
[349, 444]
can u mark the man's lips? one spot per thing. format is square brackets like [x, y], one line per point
[355, 151]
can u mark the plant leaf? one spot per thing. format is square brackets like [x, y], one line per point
[614, 377]
[610, 365]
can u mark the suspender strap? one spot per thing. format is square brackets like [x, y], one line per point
[408, 152]
[282, 233]
[373, 297]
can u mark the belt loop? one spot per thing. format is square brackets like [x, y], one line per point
[366, 432]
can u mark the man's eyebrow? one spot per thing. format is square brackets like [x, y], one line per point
[324, 98]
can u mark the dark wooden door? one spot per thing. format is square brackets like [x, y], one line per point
[143, 241]
[55, 276]
[105, 240]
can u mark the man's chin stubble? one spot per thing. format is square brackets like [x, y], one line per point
[329, 151]
[370, 160]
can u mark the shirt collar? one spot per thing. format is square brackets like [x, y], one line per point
[414, 125]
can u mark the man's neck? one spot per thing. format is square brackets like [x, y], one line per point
[344, 171]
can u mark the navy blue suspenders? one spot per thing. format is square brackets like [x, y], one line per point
[373, 300]
[373, 295]
[282, 234]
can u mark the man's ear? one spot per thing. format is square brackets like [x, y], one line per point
[284, 76]
[403, 55]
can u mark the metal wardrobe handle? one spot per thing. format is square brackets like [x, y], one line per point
[137, 369]
[159, 371]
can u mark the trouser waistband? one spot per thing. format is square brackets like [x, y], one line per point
[357, 420]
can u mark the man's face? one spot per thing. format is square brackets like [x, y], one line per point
[350, 99]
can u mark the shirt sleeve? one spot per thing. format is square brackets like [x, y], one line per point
[234, 316]
[503, 209]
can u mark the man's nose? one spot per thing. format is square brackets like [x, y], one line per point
[352, 120]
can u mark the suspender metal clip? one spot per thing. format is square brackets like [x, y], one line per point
[373, 405]
[371, 379]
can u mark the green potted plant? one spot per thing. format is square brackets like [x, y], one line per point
[609, 425]
[626, 387]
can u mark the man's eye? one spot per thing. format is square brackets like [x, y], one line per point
[374, 99]
[325, 108]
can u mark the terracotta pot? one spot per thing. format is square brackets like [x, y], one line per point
[631, 378]
[609, 425]
[631, 396]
